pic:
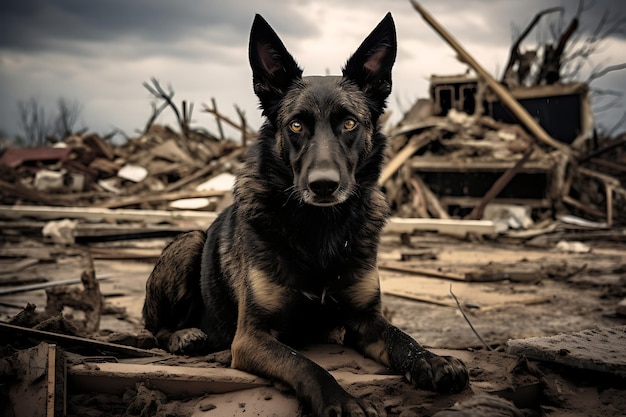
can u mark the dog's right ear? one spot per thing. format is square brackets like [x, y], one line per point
[273, 68]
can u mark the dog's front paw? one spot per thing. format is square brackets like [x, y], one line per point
[444, 374]
[349, 406]
[187, 341]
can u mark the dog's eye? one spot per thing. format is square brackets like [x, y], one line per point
[349, 124]
[295, 126]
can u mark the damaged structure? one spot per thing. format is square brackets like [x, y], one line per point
[475, 142]
[507, 211]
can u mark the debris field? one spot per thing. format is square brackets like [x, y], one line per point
[506, 248]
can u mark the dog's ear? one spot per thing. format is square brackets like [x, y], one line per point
[370, 66]
[273, 68]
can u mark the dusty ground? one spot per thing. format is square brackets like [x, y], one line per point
[572, 292]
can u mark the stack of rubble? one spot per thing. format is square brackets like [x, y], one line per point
[148, 171]
[445, 162]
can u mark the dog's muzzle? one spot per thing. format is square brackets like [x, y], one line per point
[323, 186]
[323, 182]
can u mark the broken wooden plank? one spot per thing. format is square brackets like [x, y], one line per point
[18, 265]
[500, 272]
[178, 381]
[414, 144]
[453, 227]
[408, 268]
[125, 253]
[444, 164]
[156, 197]
[197, 378]
[598, 349]
[102, 214]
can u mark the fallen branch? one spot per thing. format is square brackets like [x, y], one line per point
[72, 342]
[468, 321]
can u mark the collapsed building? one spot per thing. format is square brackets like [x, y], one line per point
[476, 141]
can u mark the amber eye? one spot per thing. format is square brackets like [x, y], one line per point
[295, 126]
[349, 124]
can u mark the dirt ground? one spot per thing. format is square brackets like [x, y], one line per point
[563, 292]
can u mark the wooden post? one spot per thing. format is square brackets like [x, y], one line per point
[51, 398]
[507, 99]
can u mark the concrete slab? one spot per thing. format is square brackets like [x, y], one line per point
[598, 349]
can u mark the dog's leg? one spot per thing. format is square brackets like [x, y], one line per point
[258, 352]
[173, 306]
[375, 337]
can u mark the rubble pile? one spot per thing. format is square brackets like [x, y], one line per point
[441, 166]
[438, 166]
[147, 172]
[526, 142]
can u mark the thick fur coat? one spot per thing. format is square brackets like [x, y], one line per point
[294, 257]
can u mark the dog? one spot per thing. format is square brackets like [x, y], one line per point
[294, 257]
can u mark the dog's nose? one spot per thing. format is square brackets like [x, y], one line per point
[323, 182]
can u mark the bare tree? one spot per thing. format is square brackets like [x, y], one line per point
[520, 63]
[565, 53]
[160, 94]
[582, 48]
[39, 129]
[33, 122]
[67, 118]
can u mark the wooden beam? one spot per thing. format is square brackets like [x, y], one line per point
[176, 381]
[132, 200]
[102, 214]
[444, 164]
[407, 268]
[51, 398]
[453, 227]
[415, 143]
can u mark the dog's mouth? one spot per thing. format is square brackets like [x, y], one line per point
[312, 199]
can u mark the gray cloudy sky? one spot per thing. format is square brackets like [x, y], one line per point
[100, 52]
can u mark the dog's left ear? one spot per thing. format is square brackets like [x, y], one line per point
[370, 66]
[273, 68]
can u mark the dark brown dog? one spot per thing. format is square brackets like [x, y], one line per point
[294, 257]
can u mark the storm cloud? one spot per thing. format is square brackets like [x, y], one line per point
[100, 52]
